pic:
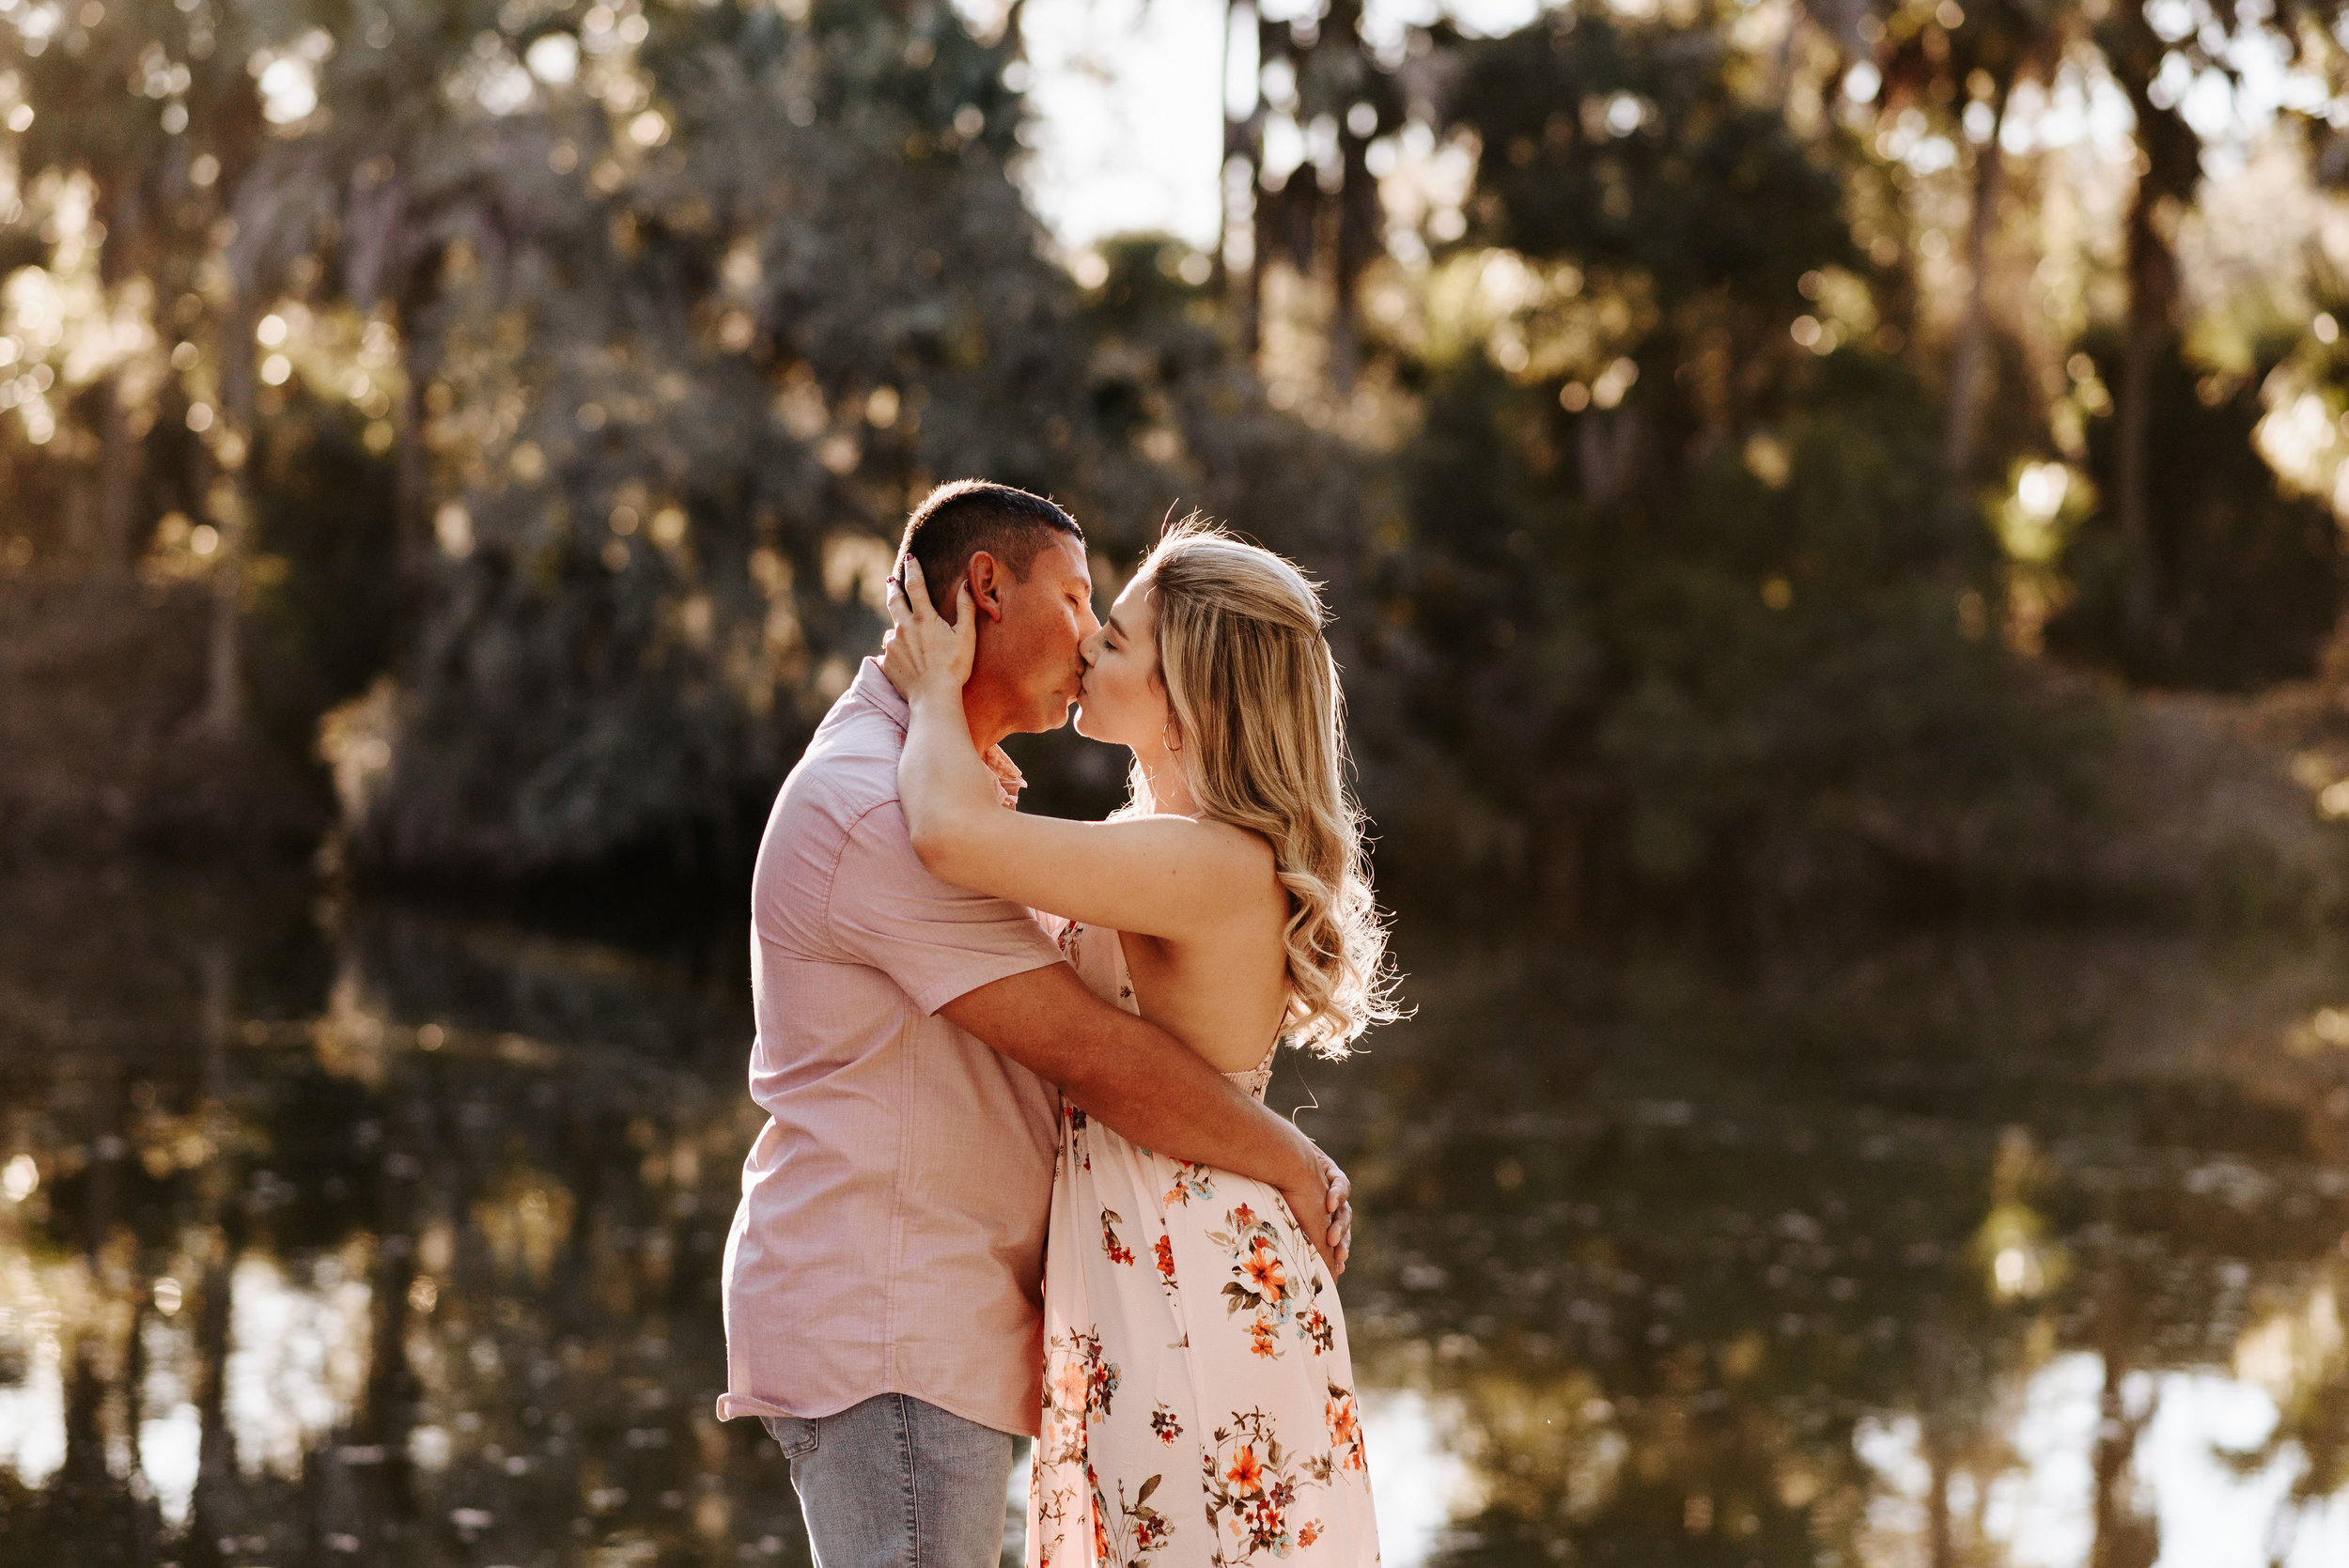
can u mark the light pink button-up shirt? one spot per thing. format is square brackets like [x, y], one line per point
[891, 1234]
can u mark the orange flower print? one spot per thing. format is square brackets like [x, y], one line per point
[1118, 1251]
[1256, 1486]
[1263, 1269]
[1070, 1380]
[1273, 1281]
[1079, 1386]
[1239, 1474]
[1346, 1431]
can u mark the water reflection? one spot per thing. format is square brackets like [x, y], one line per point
[361, 1234]
[364, 1238]
[1892, 1255]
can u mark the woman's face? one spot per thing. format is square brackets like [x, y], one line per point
[1121, 700]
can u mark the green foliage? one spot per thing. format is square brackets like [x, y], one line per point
[1632, 147]
[326, 606]
[2249, 574]
[1725, 623]
[1751, 674]
[607, 389]
[690, 415]
[1808, 642]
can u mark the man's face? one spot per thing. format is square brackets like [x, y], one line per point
[1030, 654]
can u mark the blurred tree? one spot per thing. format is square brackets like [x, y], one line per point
[638, 326]
[681, 411]
[1696, 600]
[2169, 169]
[116, 102]
[325, 615]
[1324, 83]
[423, 166]
[2153, 53]
[2251, 572]
[159, 177]
[1961, 64]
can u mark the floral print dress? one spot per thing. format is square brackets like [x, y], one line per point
[1199, 1407]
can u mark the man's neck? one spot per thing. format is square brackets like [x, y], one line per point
[987, 715]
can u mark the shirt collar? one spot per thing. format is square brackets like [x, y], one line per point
[874, 688]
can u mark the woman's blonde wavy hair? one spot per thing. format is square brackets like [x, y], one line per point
[1254, 697]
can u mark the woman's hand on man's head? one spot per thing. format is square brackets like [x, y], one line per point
[926, 655]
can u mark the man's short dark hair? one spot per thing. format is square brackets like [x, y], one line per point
[956, 521]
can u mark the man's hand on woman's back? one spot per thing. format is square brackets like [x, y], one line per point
[1155, 1092]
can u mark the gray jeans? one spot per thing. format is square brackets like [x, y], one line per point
[893, 1482]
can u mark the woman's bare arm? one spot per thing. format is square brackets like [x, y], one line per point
[1167, 877]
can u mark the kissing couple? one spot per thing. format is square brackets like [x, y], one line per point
[1018, 1176]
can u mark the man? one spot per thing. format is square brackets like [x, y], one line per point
[884, 1272]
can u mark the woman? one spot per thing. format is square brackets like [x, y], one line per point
[1199, 1402]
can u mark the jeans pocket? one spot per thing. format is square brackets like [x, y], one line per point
[794, 1433]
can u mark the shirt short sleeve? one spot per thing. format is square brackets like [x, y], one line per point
[936, 941]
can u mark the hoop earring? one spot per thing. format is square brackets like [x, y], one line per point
[1174, 746]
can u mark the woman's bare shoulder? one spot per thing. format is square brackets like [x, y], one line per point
[1225, 848]
[1213, 839]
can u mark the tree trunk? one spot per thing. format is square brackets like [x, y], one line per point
[420, 340]
[2169, 168]
[121, 479]
[1963, 416]
[2152, 284]
[1243, 138]
[1220, 278]
[410, 478]
[214, 1513]
[1937, 1424]
[222, 717]
[1358, 242]
[2125, 1536]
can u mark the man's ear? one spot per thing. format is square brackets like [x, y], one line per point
[988, 579]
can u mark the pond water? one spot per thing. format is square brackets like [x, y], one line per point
[347, 1233]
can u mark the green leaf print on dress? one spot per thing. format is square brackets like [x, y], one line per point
[1140, 1531]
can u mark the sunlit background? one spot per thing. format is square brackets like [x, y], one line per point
[1833, 516]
